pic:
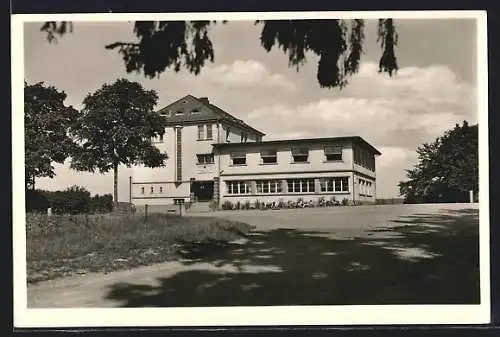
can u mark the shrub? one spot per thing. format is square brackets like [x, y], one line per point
[227, 205]
[345, 202]
[36, 201]
[247, 204]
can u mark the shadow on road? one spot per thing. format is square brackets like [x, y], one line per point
[425, 259]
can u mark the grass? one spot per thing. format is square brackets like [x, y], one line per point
[64, 245]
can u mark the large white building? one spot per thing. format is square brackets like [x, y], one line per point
[215, 156]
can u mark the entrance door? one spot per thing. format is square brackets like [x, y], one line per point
[203, 190]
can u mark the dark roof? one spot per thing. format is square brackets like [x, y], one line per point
[355, 139]
[233, 119]
[219, 114]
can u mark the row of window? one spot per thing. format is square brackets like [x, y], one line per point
[152, 190]
[299, 155]
[276, 186]
[365, 188]
[205, 132]
[364, 158]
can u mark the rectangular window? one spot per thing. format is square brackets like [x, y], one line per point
[142, 190]
[300, 155]
[238, 187]
[268, 186]
[152, 189]
[161, 189]
[209, 131]
[336, 184]
[201, 133]
[205, 158]
[301, 185]
[269, 156]
[333, 153]
[238, 158]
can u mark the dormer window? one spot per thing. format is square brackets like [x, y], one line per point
[165, 113]
[239, 158]
[300, 155]
[179, 112]
[195, 111]
[269, 156]
[333, 153]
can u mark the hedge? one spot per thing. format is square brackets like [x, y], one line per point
[73, 200]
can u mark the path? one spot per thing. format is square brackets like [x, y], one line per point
[276, 234]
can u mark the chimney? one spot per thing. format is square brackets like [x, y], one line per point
[204, 100]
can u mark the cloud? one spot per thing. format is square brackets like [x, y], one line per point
[423, 102]
[396, 115]
[245, 73]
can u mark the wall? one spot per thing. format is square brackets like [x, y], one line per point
[284, 160]
[369, 197]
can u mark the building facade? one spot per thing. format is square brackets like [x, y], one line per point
[215, 156]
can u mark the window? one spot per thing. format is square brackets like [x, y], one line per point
[209, 131]
[268, 186]
[195, 111]
[337, 184]
[165, 113]
[333, 153]
[300, 185]
[152, 189]
[300, 155]
[179, 112]
[205, 158]
[238, 187]
[201, 132]
[239, 158]
[269, 156]
[244, 137]
[142, 190]
[161, 189]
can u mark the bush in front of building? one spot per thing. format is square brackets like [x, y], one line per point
[281, 204]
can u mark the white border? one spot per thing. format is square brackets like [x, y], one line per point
[249, 316]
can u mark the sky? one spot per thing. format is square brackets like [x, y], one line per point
[434, 89]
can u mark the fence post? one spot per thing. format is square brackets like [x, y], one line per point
[146, 211]
[471, 196]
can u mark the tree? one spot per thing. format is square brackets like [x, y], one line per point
[115, 127]
[46, 124]
[177, 44]
[447, 168]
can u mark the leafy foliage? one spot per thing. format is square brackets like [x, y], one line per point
[46, 123]
[177, 44]
[73, 200]
[447, 168]
[115, 128]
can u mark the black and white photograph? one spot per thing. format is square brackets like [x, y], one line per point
[309, 168]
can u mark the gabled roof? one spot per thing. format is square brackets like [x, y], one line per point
[211, 113]
[354, 139]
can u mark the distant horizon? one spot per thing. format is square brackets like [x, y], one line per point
[434, 89]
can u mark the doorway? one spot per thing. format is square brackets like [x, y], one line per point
[203, 190]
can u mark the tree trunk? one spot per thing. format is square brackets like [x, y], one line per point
[115, 184]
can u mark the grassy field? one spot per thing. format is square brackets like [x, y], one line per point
[59, 246]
